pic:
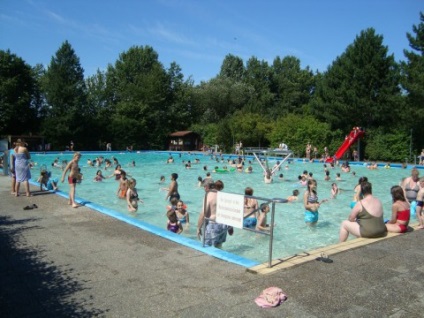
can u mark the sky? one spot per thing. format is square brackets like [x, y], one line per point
[198, 34]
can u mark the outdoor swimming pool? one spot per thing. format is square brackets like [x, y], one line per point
[291, 235]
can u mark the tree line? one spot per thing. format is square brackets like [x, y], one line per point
[138, 101]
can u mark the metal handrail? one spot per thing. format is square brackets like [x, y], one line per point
[271, 231]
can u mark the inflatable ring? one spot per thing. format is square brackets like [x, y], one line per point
[231, 169]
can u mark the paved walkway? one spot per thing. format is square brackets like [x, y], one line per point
[56, 261]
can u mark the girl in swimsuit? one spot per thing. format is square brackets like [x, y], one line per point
[99, 176]
[182, 214]
[357, 196]
[116, 173]
[334, 190]
[400, 211]
[123, 185]
[173, 188]
[173, 224]
[132, 196]
[311, 203]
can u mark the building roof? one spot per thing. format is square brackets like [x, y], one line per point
[181, 133]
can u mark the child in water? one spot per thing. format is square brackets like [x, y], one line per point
[44, 180]
[261, 225]
[294, 196]
[123, 185]
[173, 224]
[132, 196]
[311, 203]
[99, 176]
[182, 214]
[334, 190]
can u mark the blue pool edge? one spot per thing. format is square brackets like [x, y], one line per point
[196, 245]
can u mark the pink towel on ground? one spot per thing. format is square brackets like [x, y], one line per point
[270, 297]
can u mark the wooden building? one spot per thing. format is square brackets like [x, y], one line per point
[184, 141]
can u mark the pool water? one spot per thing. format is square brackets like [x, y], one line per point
[291, 235]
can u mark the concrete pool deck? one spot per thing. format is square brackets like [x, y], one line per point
[56, 261]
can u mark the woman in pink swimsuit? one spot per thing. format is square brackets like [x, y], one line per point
[400, 212]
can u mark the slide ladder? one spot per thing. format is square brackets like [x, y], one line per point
[354, 135]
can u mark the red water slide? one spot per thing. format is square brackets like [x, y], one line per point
[354, 135]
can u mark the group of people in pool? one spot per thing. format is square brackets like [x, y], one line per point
[365, 219]
[366, 216]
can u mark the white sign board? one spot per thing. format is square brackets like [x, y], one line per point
[229, 209]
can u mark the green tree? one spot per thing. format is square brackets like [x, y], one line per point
[208, 132]
[258, 75]
[138, 88]
[387, 146]
[99, 108]
[39, 100]
[296, 131]
[291, 86]
[221, 97]
[18, 113]
[180, 99]
[232, 67]
[250, 128]
[360, 88]
[413, 82]
[64, 87]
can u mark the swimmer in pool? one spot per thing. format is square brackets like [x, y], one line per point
[401, 213]
[268, 176]
[311, 203]
[262, 225]
[182, 214]
[357, 196]
[99, 176]
[173, 188]
[419, 208]
[334, 190]
[132, 196]
[251, 207]
[116, 173]
[294, 196]
[123, 185]
[173, 224]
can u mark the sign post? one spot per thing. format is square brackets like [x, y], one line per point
[230, 209]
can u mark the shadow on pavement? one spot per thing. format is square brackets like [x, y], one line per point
[29, 285]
